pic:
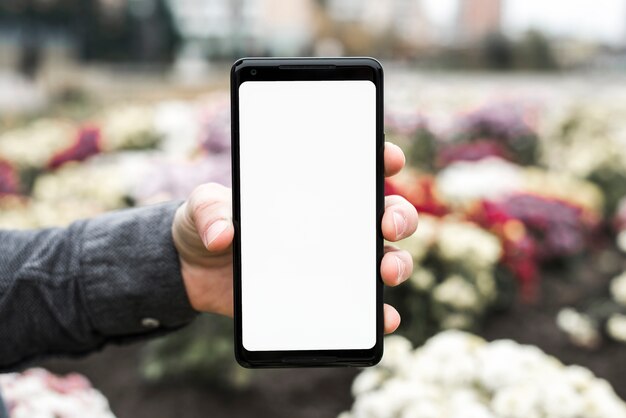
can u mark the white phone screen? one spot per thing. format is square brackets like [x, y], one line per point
[308, 214]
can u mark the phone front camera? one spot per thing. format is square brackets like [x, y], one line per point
[252, 72]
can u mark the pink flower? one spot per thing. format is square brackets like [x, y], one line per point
[472, 151]
[87, 144]
[420, 191]
[9, 180]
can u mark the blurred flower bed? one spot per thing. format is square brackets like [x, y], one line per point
[506, 191]
[504, 195]
[460, 375]
[37, 393]
[57, 170]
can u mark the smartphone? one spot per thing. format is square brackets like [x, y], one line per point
[307, 177]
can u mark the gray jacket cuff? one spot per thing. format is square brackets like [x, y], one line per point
[131, 279]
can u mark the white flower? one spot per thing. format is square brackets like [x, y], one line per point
[578, 377]
[458, 375]
[34, 145]
[504, 362]
[368, 380]
[579, 327]
[422, 279]
[456, 292]
[486, 285]
[177, 123]
[460, 242]
[456, 321]
[386, 403]
[616, 327]
[491, 177]
[464, 242]
[128, 127]
[397, 351]
[618, 288]
[516, 402]
[101, 181]
[15, 213]
[574, 152]
[558, 398]
[373, 404]
[602, 402]
[423, 409]
[448, 359]
[469, 409]
[35, 394]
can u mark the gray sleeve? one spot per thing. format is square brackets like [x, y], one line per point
[114, 278]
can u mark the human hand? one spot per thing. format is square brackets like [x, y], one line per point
[203, 233]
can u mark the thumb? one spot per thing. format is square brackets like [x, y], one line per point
[210, 210]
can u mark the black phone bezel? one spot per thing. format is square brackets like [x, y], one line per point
[285, 69]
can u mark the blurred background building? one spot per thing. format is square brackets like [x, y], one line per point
[451, 33]
[478, 19]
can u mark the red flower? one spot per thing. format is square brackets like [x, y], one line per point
[72, 382]
[420, 192]
[9, 180]
[519, 255]
[535, 229]
[87, 144]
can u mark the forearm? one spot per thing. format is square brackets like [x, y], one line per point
[71, 290]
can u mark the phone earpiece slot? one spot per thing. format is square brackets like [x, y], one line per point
[306, 67]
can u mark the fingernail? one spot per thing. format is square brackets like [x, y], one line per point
[214, 231]
[400, 265]
[399, 223]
